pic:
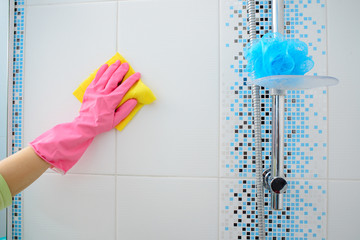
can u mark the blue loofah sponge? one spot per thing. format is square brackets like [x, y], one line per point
[273, 55]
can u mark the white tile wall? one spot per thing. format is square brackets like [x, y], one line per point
[167, 208]
[174, 44]
[70, 207]
[64, 44]
[176, 136]
[344, 210]
[344, 100]
[344, 117]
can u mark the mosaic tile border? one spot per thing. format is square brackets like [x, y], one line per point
[304, 216]
[17, 105]
[306, 111]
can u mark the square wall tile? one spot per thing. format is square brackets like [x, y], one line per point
[64, 45]
[159, 208]
[344, 210]
[78, 207]
[47, 2]
[344, 99]
[174, 44]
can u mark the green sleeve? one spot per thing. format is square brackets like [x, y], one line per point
[5, 194]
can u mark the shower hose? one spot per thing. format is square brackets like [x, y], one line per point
[255, 92]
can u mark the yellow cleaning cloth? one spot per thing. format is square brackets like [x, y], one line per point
[139, 91]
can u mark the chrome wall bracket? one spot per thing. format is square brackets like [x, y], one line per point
[277, 187]
[273, 178]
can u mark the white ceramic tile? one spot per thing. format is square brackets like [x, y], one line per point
[344, 210]
[46, 2]
[344, 100]
[70, 207]
[162, 208]
[64, 44]
[174, 44]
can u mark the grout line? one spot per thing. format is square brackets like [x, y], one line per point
[116, 210]
[117, 27]
[116, 132]
[343, 180]
[204, 177]
[68, 3]
[134, 175]
[219, 119]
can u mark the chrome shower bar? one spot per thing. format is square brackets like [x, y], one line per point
[274, 179]
[277, 8]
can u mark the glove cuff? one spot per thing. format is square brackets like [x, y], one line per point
[62, 146]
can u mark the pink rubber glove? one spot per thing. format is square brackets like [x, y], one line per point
[63, 145]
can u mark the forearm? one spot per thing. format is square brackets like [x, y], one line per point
[22, 169]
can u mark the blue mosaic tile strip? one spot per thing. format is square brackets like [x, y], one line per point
[17, 105]
[304, 215]
[306, 111]
[305, 117]
[237, 159]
